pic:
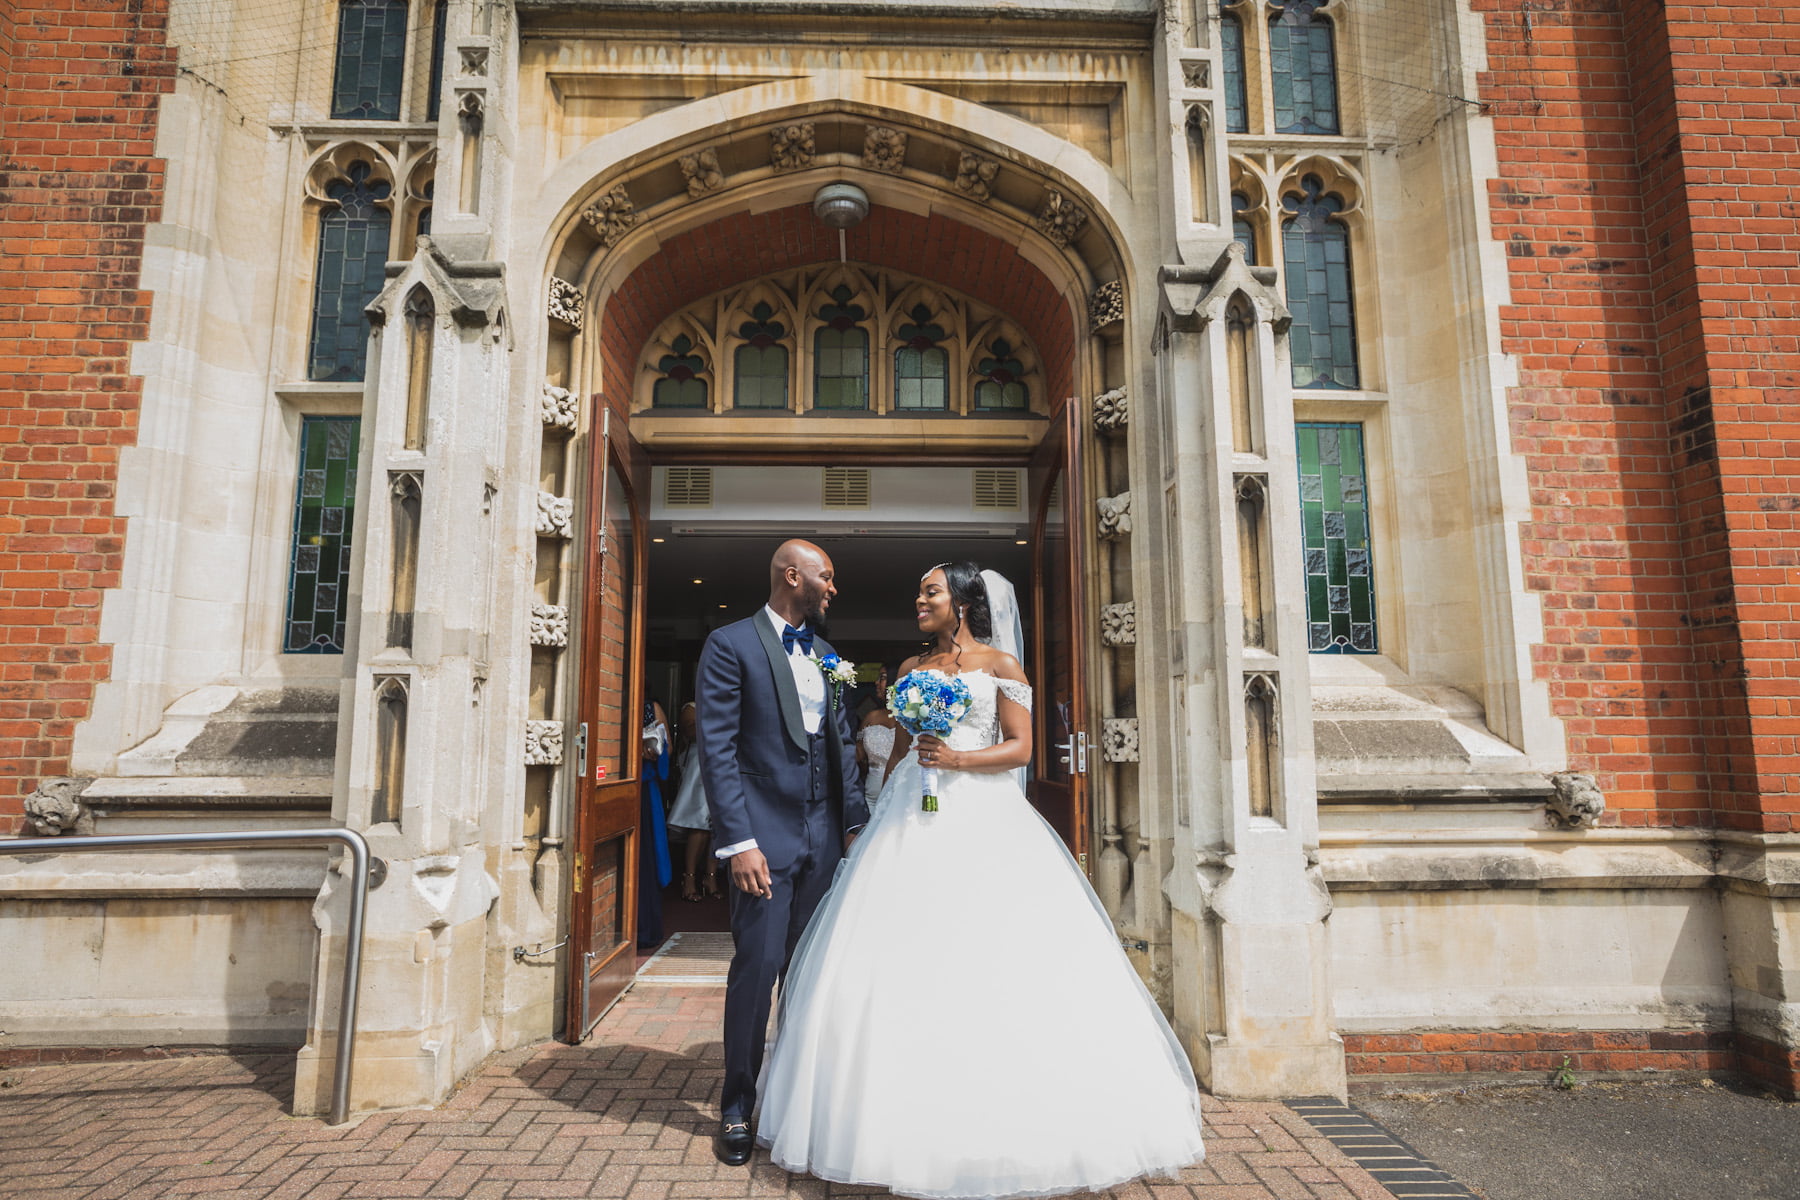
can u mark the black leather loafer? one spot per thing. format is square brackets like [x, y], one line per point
[734, 1143]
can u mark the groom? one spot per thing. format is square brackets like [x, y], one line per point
[780, 772]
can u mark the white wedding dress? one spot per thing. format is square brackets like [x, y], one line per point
[959, 1019]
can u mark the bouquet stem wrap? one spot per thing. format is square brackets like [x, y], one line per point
[929, 702]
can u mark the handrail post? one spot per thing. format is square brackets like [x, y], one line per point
[266, 839]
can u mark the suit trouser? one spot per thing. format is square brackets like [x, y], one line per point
[764, 933]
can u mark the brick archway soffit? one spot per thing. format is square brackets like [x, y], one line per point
[656, 142]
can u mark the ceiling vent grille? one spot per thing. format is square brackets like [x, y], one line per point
[688, 487]
[847, 487]
[997, 489]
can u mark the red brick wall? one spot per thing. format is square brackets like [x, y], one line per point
[78, 185]
[1651, 250]
[746, 246]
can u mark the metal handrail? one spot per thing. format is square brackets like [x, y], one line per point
[260, 840]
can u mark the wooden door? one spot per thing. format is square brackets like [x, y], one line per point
[1062, 748]
[603, 908]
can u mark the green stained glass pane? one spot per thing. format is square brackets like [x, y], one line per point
[762, 377]
[352, 261]
[1316, 253]
[1337, 556]
[324, 503]
[371, 60]
[841, 368]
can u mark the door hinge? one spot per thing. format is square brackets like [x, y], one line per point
[580, 873]
[581, 751]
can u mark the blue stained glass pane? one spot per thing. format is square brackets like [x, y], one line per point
[320, 561]
[1340, 580]
[1302, 69]
[1231, 46]
[353, 245]
[1316, 252]
[371, 60]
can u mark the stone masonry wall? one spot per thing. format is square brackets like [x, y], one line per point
[78, 185]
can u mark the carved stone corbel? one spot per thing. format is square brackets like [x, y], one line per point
[555, 515]
[55, 807]
[701, 171]
[557, 408]
[549, 625]
[1059, 219]
[791, 146]
[1115, 515]
[975, 176]
[1118, 624]
[1107, 305]
[566, 302]
[884, 149]
[1119, 740]
[543, 743]
[1112, 411]
[612, 216]
[1577, 802]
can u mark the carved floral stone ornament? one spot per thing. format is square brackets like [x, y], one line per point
[701, 171]
[554, 515]
[55, 808]
[543, 743]
[1107, 304]
[1059, 219]
[1119, 740]
[1112, 411]
[612, 216]
[1118, 624]
[791, 146]
[557, 408]
[1577, 802]
[549, 625]
[884, 149]
[975, 176]
[1115, 515]
[565, 303]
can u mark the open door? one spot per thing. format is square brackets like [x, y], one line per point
[1059, 582]
[603, 907]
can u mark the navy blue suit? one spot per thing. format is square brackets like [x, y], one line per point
[796, 794]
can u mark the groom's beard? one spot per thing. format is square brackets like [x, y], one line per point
[816, 621]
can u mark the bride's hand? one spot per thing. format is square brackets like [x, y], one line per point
[933, 753]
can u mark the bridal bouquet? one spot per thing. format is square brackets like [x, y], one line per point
[929, 702]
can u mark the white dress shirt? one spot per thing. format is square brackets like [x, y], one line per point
[809, 681]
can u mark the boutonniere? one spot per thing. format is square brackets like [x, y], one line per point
[837, 670]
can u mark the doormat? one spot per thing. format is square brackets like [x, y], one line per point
[689, 959]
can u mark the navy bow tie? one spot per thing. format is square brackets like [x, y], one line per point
[791, 637]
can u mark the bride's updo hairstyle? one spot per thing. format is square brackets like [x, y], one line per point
[968, 592]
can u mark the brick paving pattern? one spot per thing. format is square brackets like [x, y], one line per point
[630, 1115]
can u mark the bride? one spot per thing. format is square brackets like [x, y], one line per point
[959, 1020]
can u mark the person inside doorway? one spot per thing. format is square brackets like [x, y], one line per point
[875, 742]
[689, 818]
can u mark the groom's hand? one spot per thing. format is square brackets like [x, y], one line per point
[750, 872]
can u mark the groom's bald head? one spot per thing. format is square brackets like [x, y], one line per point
[800, 581]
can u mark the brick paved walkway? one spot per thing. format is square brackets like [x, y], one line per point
[629, 1115]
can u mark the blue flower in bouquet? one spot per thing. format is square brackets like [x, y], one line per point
[929, 702]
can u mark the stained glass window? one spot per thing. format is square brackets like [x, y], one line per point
[439, 14]
[324, 507]
[681, 385]
[371, 60]
[761, 364]
[1316, 254]
[841, 355]
[1302, 69]
[1231, 47]
[1000, 388]
[353, 250]
[1334, 523]
[921, 366]
[1243, 230]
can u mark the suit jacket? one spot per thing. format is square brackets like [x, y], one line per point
[753, 744]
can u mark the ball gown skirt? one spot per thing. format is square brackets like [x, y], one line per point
[959, 1020]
